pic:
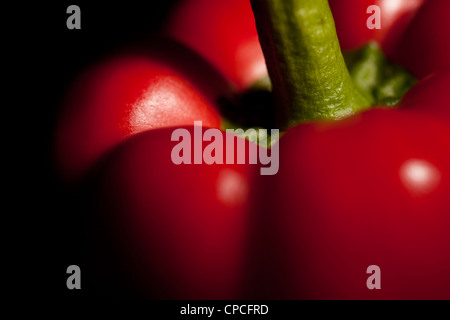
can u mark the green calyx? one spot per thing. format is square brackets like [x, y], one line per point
[381, 82]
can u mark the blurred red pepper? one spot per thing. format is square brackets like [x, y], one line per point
[422, 48]
[224, 33]
[133, 91]
[182, 228]
[351, 17]
[358, 184]
[431, 89]
[412, 31]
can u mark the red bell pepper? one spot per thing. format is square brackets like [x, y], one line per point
[133, 91]
[412, 32]
[359, 184]
[370, 189]
[422, 48]
[431, 88]
[351, 17]
[182, 228]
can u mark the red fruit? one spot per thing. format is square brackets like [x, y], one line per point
[224, 32]
[368, 190]
[351, 17]
[426, 96]
[129, 94]
[182, 227]
[423, 49]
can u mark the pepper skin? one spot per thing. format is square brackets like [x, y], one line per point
[185, 224]
[351, 16]
[224, 33]
[427, 96]
[368, 190]
[422, 49]
[131, 92]
[412, 31]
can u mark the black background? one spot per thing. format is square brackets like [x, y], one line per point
[49, 229]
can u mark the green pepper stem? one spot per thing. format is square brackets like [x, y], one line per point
[309, 77]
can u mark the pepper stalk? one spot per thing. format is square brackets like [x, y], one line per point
[309, 76]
